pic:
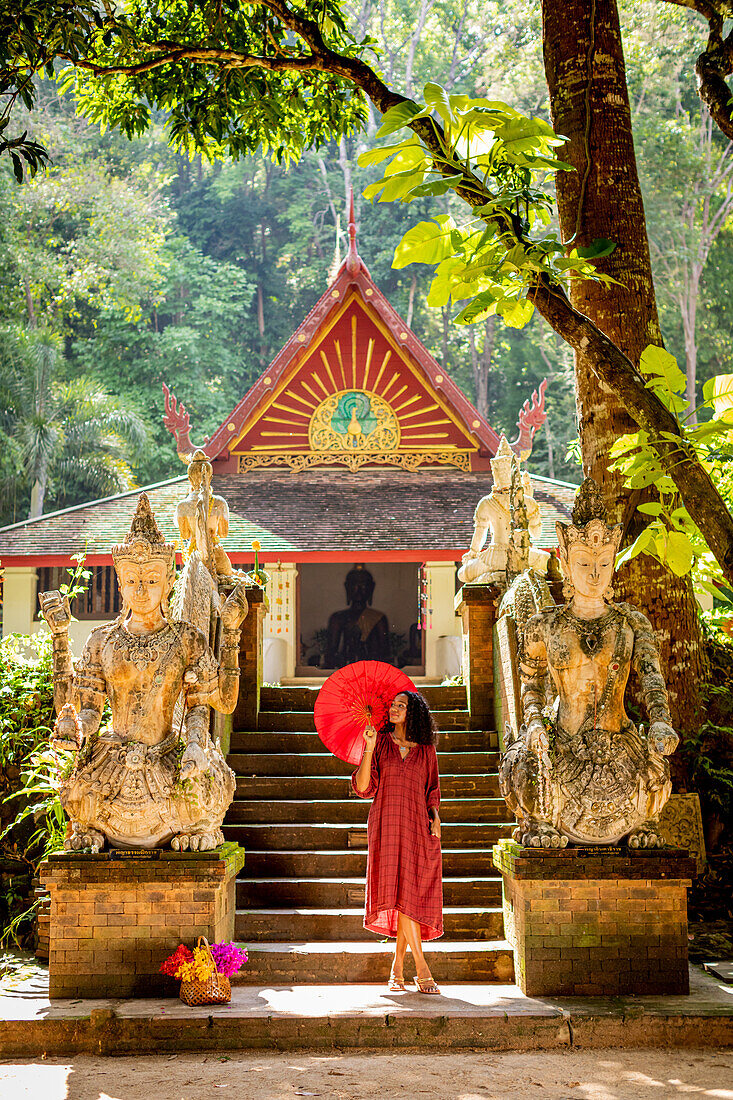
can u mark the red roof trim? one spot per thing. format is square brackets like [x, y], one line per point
[271, 559]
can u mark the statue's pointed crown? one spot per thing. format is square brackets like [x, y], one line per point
[501, 465]
[144, 541]
[589, 521]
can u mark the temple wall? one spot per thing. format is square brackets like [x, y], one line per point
[19, 599]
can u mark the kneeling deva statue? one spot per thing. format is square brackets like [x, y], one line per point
[146, 779]
[578, 769]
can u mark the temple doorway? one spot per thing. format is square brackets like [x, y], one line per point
[358, 611]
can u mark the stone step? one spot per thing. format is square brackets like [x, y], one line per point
[294, 741]
[446, 697]
[324, 763]
[345, 892]
[302, 720]
[332, 786]
[318, 837]
[295, 925]
[331, 863]
[338, 961]
[354, 811]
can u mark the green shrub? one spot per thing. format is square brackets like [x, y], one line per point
[31, 817]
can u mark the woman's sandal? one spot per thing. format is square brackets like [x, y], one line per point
[426, 985]
[396, 985]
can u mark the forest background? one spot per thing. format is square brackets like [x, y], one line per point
[126, 265]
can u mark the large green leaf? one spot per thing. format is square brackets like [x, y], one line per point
[718, 393]
[398, 116]
[376, 156]
[516, 314]
[600, 247]
[437, 99]
[680, 554]
[659, 363]
[425, 243]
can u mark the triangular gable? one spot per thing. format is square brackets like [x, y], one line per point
[354, 386]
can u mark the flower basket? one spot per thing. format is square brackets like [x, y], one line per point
[214, 990]
[204, 973]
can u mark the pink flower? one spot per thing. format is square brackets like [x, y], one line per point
[228, 957]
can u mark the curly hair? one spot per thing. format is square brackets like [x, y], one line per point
[420, 727]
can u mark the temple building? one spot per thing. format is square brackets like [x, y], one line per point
[354, 462]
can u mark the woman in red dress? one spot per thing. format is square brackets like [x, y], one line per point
[404, 886]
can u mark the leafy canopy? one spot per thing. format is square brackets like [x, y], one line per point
[500, 161]
[671, 536]
[229, 75]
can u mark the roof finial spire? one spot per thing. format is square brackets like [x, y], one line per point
[352, 260]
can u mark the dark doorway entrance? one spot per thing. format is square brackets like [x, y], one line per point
[333, 631]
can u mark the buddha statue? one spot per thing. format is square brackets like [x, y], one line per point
[359, 632]
[144, 781]
[488, 566]
[578, 769]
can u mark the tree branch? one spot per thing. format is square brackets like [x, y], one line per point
[715, 63]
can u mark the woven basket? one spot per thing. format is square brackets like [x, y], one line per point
[216, 990]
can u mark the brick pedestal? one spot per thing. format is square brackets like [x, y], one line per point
[115, 916]
[477, 605]
[596, 922]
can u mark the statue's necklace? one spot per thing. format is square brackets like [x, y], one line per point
[144, 650]
[590, 631]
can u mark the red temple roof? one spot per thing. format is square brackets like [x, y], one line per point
[352, 386]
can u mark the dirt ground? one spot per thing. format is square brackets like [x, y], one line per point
[566, 1075]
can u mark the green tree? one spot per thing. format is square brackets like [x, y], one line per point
[288, 76]
[71, 440]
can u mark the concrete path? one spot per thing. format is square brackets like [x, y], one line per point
[331, 1017]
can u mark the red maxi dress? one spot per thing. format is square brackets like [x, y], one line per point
[404, 862]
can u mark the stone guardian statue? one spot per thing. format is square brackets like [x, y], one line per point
[145, 780]
[487, 564]
[578, 769]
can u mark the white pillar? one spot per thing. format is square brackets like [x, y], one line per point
[280, 624]
[19, 600]
[440, 616]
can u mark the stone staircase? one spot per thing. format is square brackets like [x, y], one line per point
[300, 896]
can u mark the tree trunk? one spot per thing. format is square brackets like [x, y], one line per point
[411, 301]
[38, 493]
[586, 77]
[30, 308]
[689, 328]
[445, 313]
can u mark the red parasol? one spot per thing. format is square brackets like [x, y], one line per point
[350, 699]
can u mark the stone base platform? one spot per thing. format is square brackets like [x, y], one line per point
[364, 1017]
[116, 915]
[596, 921]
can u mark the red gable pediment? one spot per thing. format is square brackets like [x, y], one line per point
[353, 386]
